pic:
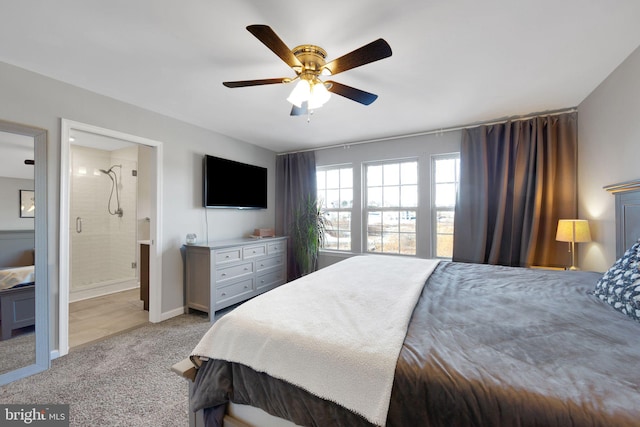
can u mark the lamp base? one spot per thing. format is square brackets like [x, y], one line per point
[573, 268]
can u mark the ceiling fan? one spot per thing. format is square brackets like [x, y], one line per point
[308, 62]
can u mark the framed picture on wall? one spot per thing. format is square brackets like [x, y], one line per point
[27, 204]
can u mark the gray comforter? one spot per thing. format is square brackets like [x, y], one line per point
[487, 345]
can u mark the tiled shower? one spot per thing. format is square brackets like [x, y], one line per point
[103, 242]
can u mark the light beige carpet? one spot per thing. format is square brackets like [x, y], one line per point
[125, 380]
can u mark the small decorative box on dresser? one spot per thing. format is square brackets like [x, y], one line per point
[232, 271]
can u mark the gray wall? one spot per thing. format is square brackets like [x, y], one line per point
[39, 101]
[10, 206]
[608, 153]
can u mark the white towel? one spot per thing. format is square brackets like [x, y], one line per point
[337, 333]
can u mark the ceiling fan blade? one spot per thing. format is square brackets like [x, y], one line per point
[366, 54]
[299, 111]
[270, 39]
[352, 93]
[244, 83]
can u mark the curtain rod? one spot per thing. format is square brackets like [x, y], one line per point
[441, 130]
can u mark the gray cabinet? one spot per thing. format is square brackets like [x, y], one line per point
[232, 271]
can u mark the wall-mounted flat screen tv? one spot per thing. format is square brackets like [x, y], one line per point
[233, 185]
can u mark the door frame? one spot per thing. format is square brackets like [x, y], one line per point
[42, 360]
[155, 234]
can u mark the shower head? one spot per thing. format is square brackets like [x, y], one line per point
[110, 169]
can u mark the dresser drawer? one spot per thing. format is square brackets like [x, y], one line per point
[276, 247]
[270, 262]
[234, 271]
[234, 290]
[253, 251]
[229, 255]
[269, 279]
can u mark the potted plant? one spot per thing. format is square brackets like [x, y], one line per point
[307, 234]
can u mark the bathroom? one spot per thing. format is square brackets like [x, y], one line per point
[108, 222]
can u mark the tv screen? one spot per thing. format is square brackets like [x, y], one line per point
[231, 184]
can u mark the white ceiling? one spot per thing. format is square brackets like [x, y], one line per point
[455, 62]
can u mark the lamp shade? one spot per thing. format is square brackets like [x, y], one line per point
[573, 230]
[300, 93]
[314, 93]
[319, 95]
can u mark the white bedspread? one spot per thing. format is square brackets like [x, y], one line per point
[10, 277]
[336, 333]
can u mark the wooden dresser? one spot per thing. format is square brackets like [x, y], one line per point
[232, 271]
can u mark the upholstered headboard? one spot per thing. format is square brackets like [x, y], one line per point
[627, 196]
[16, 248]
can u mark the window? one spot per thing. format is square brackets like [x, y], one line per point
[446, 178]
[391, 206]
[335, 194]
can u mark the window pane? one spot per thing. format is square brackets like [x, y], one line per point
[374, 175]
[444, 246]
[374, 197]
[335, 191]
[391, 196]
[390, 243]
[446, 170]
[445, 194]
[322, 198]
[346, 198]
[409, 173]
[374, 221]
[391, 221]
[396, 191]
[409, 195]
[445, 222]
[408, 221]
[346, 178]
[320, 178]
[408, 244]
[391, 174]
[333, 178]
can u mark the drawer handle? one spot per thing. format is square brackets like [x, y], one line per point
[246, 269]
[223, 274]
[246, 287]
[261, 265]
[227, 256]
[223, 294]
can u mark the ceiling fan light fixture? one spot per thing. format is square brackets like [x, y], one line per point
[300, 93]
[319, 95]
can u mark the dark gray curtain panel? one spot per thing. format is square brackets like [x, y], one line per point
[295, 182]
[516, 180]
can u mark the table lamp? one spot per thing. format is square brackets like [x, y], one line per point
[572, 231]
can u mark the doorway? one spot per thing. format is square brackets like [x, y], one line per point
[110, 208]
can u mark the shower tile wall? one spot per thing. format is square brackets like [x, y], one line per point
[104, 251]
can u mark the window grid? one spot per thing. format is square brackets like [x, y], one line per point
[391, 207]
[335, 194]
[446, 181]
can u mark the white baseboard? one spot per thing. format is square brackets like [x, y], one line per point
[103, 289]
[173, 313]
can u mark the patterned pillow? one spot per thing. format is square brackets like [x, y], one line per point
[620, 285]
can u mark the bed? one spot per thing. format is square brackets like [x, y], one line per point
[17, 299]
[483, 345]
[17, 281]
